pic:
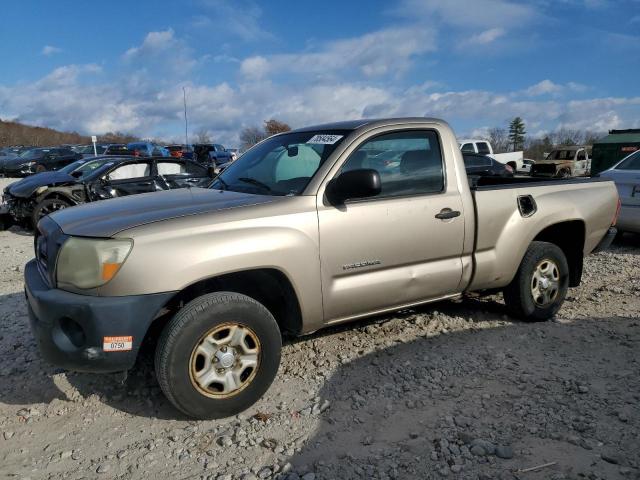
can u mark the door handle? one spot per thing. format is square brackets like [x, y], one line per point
[447, 213]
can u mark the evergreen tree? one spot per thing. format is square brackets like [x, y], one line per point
[517, 133]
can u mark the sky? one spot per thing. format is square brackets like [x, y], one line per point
[95, 67]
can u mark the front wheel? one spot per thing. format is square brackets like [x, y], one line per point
[218, 355]
[540, 285]
[45, 207]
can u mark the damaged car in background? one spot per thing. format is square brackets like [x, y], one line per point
[564, 162]
[89, 180]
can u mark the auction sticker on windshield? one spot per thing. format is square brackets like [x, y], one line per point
[324, 139]
[117, 344]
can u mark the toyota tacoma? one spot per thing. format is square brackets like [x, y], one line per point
[309, 228]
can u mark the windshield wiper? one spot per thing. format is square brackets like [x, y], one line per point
[255, 182]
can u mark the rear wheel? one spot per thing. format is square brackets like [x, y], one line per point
[540, 285]
[218, 355]
[45, 207]
[564, 173]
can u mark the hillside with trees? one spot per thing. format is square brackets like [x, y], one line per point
[16, 133]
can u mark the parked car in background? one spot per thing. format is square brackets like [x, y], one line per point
[32, 198]
[87, 150]
[119, 149]
[180, 151]
[294, 236]
[478, 165]
[626, 175]
[211, 153]
[147, 149]
[564, 162]
[527, 163]
[38, 160]
[514, 159]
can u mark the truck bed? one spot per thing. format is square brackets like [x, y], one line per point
[504, 231]
[494, 183]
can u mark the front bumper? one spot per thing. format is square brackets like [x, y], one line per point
[70, 328]
[605, 243]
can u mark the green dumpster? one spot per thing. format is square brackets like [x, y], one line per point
[614, 147]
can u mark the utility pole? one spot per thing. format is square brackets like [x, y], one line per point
[184, 97]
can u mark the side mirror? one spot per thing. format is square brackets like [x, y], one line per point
[359, 183]
[76, 174]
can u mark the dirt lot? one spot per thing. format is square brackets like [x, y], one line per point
[451, 390]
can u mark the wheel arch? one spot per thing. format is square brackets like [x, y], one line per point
[57, 194]
[569, 236]
[268, 286]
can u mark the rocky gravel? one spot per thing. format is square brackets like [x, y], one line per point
[451, 390]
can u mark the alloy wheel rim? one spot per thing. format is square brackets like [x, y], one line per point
[52, 208]
[545, 283]
[225, 360]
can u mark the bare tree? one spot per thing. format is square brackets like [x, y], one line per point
[499, 139]
[202, 136]
[249, 136]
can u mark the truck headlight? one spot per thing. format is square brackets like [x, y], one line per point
[91, 262]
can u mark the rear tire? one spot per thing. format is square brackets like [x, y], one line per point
[202, 371]
[540, 285]
[45, 207]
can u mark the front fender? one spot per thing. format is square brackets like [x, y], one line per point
[173, 254]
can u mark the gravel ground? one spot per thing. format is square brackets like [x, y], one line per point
[451, 390]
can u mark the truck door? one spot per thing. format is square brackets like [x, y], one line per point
[403, 246]
[581, 163]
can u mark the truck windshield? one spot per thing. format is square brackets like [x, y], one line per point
[281, 165]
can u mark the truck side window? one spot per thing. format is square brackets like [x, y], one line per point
[581, 155]
[483, 148]
[468, 148]
[409, 163]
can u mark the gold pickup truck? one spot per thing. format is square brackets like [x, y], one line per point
[309, 228]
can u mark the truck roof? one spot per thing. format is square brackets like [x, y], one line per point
[368, 122]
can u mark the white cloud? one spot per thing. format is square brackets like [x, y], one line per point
[49, 50]
[547, 87]
[486, 37]
[164, 48]
[239, 18]
[255, 67]
[464, 13]
[380, 53]
[72, 98]
[154, 43]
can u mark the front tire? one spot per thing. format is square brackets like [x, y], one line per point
[45, 207]
[540, 285]
[218, 355]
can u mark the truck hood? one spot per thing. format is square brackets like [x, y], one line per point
[27, 186]
[108, 217]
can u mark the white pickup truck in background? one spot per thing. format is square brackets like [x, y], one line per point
[514, 159]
